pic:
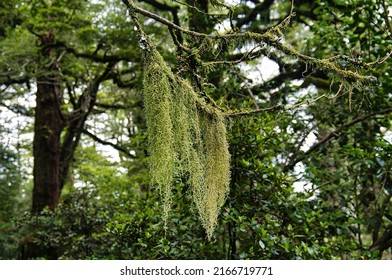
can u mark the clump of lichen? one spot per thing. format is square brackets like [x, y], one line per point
[187, 138]
[158, 102]
[210, 198]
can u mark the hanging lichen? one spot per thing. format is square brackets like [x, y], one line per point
[211, 196]
[158, 104]
[187, 138]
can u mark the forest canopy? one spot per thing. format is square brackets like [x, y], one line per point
[191, 129]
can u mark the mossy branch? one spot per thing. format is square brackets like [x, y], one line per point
[271, 37]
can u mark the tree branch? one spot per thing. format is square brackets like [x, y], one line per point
[173, 10]
[114, 106]
[271, 37]
[18, 109]
[253, 112]
[87, 100]
[14, 80]
[334, 134]
[107, 143]
[93, 56]
[384, 242]
[260, 7]
[76, 122]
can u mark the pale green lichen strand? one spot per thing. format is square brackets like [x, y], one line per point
[187, 139]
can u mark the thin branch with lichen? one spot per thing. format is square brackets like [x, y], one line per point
[278, 107]
[272, 38]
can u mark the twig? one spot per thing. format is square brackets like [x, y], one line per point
[252, 96]
[381, 61]
[273, 108]
[252, 112]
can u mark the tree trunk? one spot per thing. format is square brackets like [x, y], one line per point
[47, 130]
[69, 145]
[46, 145]
[46, 150]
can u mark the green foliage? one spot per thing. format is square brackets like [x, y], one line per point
[9, 190]
[17, 53]
[74, 230]
[57, 16]
[9, 183]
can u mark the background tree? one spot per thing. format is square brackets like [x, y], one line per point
[67, 60]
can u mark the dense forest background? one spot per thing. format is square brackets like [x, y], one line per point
[306, 89]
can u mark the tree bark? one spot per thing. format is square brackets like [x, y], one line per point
[71, 141]
[47, 130]
[46, 145]
[52, 159]
[384, 242]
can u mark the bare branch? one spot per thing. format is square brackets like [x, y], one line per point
[381, 61]
[108, 143]
[174, 12]
[384, 242]
[93, 56]
[253, 112]
[114, 106]
[334, 134]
